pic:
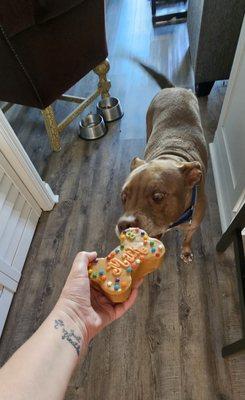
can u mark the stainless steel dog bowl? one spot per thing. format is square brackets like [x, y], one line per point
[110, 109]
[92, 127]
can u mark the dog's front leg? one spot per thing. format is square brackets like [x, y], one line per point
[189, 229]
[186, 252]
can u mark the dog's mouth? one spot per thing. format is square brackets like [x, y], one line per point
[151, 232]
[117, 231]
[158, 236]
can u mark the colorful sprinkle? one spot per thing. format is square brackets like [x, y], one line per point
[116, 287]
[130, 235]
[129, 269]
[157, 254]
[134, 266]
[160, 246]
[152, 243]
[90, 271]
[124, 284]
[103, 278]
[117, 250]
[117, 280]
[153, 249]
[142, 233]
[145, 242]
[94, 275]
[122, 236]
[109, 283]
[145, 237]
[122, 247]
[101, 272]
[137, 261]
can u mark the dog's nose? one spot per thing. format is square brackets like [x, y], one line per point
[125, 224]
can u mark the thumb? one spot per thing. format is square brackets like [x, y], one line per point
[80, 264]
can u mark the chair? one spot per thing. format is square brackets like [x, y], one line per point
[213, 28]
[179, 14]
[46, 47]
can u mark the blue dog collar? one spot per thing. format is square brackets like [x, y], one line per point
[187, 214]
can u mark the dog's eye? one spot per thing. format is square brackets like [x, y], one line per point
[158, 197]
[123, 197]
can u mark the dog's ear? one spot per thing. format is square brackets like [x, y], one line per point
[192, 172]
[136, 162]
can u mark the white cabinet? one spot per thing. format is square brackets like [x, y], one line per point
[23, 196]
[228, 148]
[19, 215]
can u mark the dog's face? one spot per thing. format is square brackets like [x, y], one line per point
[156, 193]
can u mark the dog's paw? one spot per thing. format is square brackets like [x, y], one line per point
[187, 257]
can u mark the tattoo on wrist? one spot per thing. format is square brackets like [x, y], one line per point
[69, 336]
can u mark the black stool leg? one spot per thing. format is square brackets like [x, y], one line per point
[233, 234]
[153, 7]
[233, 348]
[240, 266]
[204, 88]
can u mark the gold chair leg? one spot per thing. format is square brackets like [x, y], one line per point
[104, 84]
[52, 128]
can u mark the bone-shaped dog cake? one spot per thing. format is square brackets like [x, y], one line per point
[136, 256]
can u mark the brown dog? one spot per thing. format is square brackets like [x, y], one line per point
[166, 189]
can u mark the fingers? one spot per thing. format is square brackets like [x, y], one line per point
[120, 309]
[97, 298]
[82, 260]
[130, 302]
[85, 256]
[138, 283]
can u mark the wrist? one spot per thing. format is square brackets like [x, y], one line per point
[65, 311]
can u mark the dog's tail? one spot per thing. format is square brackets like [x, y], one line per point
[162, 81]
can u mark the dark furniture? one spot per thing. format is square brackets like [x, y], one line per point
[166, 17]
[46, 47]
[233, 235]
[213, 28]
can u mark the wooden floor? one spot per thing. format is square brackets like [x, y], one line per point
[168, 347]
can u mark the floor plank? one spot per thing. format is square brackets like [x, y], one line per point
[168, 346]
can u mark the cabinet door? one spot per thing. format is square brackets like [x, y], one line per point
[22, 196]
[18, 219]
[6, 296]
[228, 148]
[19, 215]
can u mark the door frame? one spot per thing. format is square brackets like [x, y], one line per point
[221, 164]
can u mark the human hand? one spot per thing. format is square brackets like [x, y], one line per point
[88, 307]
